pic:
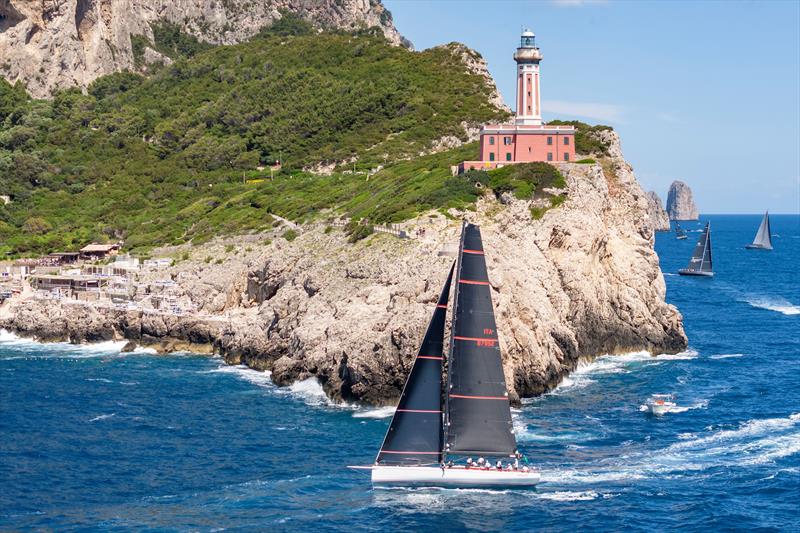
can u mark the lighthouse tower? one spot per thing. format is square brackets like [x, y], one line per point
[525, 139]
[529, 105]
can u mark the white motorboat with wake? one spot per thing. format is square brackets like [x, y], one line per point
[660, 404]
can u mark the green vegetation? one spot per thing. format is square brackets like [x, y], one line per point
[585, 142]
[357, 230]
[290, 235]
[587, 161]
[172, 158]
[526, 181]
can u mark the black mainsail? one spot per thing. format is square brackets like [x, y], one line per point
[414, 436]
[478, 415]
[763, 239]
[700, 263]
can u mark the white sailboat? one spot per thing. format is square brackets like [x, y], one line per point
[438, 424]
[763, 238]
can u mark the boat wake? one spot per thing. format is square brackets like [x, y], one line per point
[754, 442]
[102, 417]
[726, 356]
[778, 304]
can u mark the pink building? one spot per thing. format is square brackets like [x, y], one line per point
[526, 139]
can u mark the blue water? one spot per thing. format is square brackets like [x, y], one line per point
[94, 439]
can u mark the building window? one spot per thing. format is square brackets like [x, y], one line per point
[549, 141]
[491, 156]
[549, 156]
[566, 141]
[529, 109]
[529, 149]
[566, 156]
[508, 156]
[506, 140]
[529, 93]
[491, 141]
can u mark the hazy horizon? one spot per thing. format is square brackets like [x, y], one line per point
[681, 83]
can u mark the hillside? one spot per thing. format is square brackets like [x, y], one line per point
[173, 157]
[49, 45]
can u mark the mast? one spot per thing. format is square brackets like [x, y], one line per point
[478, 408]
[707, 250]
[415, 436]
[450, 349]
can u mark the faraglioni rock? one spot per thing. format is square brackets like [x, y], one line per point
[659, 220]
[55, 44]
[582, 281]
[680, 204]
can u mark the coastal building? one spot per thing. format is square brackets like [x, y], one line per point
[99, 251]
[527, 138]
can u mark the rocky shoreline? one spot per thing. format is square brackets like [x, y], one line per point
[581, 282]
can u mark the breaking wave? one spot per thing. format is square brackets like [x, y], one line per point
[377, 412]
[583, 375]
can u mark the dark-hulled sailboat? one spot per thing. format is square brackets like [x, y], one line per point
[471, 414]
[680, 234]
[763, 238]
[700, 263]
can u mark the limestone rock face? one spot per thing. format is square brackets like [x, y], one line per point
[680, 204]
[53, 44]
[580, 282]
[659, 220]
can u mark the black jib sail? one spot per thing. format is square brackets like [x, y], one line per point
[700, 263]
[763, 239]
[415, 435]
[478, 418]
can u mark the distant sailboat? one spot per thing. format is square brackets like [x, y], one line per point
[471, 415]
[763, 239]
[700, 263]
[680, 234]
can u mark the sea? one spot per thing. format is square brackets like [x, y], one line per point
[92, 439]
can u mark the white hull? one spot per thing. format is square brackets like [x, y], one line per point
[433, 476]
[662, 409]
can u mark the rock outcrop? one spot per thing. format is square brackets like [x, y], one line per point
[659, 220]
[53, 44]
[580, 282]
[680, 204]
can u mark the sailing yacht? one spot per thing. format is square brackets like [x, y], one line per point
[680, 234]
[700, 263]
[437, 423]
[763, 238]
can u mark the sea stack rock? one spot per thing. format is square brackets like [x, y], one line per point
[680, 204]
[655, 210]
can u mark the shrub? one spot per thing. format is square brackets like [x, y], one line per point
[585, 142]
[587, 161]
[290, 235]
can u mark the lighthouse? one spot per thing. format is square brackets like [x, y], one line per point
[526, 139]
[529, 102]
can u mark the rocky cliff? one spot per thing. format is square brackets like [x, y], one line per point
[53, 44]
[680, 204]
[659, 220]
[581, 281]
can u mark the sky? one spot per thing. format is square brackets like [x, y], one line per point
[703, 92]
